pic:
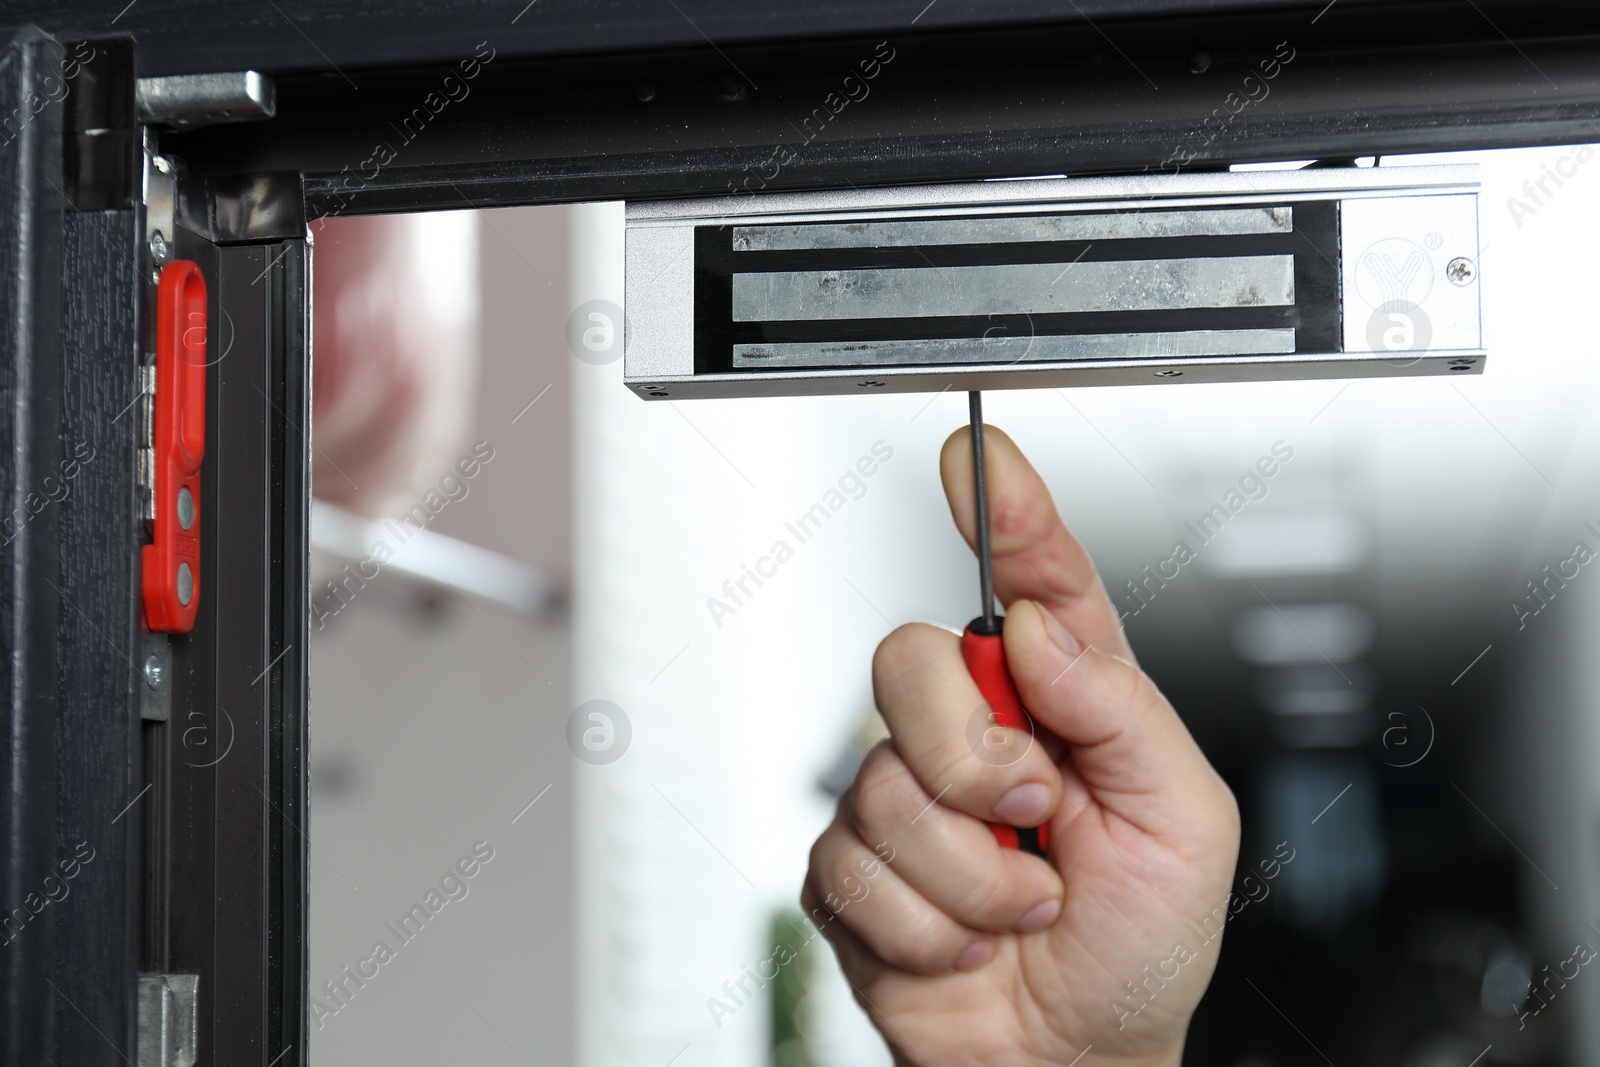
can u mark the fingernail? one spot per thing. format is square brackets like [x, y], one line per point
[1058, 633]
[977, 954]
[1040, 918]
[1025, 805]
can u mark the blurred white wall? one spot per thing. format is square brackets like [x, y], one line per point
[435, 721]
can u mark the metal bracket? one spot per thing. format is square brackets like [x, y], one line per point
[160, 195]
[169, 1020]
[160, 202]
[187, 101]
[155, 678]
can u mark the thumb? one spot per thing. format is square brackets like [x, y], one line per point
[1127, 743]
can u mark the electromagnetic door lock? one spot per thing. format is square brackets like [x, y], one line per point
[1318, 273]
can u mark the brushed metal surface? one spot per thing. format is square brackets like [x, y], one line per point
[1016, 229]
[1015, 289]
[1013, 349]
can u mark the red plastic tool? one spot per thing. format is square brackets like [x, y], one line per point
[171, 563]
[984, 652]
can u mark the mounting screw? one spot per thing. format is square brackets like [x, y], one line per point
[160, 251]
[185, 584]
[161, 164]
[1169, 374]
[152, 671]
[1199, 61]
[1461, 270]
[870, 385]
[185, 508]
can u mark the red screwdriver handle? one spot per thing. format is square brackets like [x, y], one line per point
[985, 657]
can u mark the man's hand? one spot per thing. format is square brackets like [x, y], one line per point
[964, 953]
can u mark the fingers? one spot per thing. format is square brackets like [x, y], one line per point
[1035, 555]
[860, 965]
[950, 859]
[898, 925]
[1128, 744]
[943, 731]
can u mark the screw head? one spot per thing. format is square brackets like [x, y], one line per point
[152, 671]
[1199, 61]
[1169, 374]
[1461, 270]
[160, 251]
[870, 385]
[185, 584]
[185, 508]
[161, 164]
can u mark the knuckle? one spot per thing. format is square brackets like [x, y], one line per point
[814, 857]
[822, 859]
[922, 946]
[884, 789]
[1131, 687]
[899, 654]
[951, 762]
[843, 879]
[989, 898]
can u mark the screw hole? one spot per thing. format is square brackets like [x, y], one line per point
[1169, 374]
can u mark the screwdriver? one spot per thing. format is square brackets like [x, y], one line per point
[984, 652]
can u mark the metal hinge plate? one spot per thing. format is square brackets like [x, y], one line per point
[169, 1020]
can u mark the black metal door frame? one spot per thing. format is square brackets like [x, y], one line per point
[131, 845]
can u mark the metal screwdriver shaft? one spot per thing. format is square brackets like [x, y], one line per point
[983, 650]
[981, 495]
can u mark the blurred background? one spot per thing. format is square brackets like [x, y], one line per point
[1389, 652]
